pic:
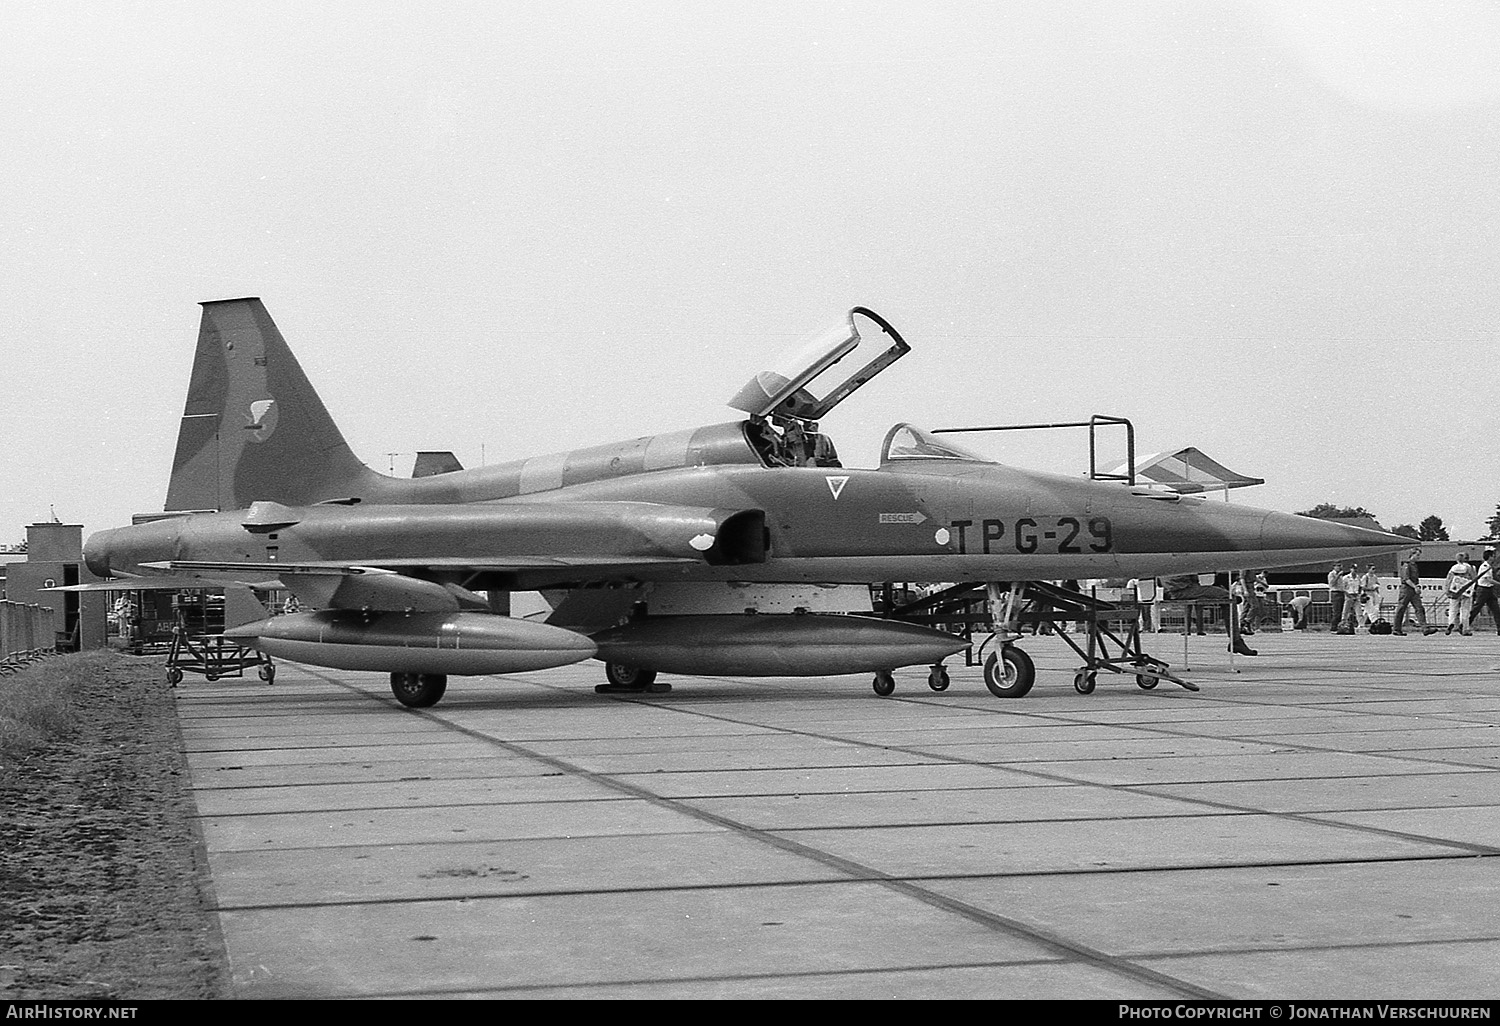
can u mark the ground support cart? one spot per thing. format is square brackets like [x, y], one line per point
[214, 656]
[1112, 638]
[1111, 634]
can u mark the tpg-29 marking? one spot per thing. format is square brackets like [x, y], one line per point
[1026, 535]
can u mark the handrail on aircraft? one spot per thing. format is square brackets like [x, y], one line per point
[1092, 424]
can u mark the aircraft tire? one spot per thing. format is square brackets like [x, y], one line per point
[1083, 682]
[174, 676]
[938, 679]
[885, 683]
[1147, 682]
[631, 678]
[1009, 673]
[418, 690]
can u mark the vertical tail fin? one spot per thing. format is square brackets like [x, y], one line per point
[253, 427]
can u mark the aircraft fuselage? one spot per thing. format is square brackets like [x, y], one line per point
[941, 522]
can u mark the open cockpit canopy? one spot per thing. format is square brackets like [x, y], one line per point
[784, 390]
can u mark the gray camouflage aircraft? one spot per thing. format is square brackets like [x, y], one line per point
[736, 549]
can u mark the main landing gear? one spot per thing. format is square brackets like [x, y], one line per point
[630, 680]
[418, 690]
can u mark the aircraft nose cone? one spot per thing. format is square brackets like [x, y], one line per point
[1325, 538]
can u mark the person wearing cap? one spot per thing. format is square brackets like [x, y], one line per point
[1411, 596]
[1484, 592]
[1457, 585]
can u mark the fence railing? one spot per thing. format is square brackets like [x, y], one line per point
[1278, 615]
[26, 634]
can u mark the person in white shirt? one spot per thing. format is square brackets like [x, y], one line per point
[1350, 585]
[1336, 594]
[1484, 592]
[1369, 595]
[1459, 586]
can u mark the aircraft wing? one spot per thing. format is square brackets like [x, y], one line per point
[180, 581]
[383, 587]
[235, 573]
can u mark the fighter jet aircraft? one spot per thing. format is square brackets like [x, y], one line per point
[739, 548]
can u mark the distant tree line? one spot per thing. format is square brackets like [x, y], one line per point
[1431, 528]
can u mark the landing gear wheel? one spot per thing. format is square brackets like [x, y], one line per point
[174, 676]
[210, 676]
[624, 676]
[938, 679]
[885, 683]
[624, 679]
[267, 673]
[1009, 673]
[418, 690]
[1084, 681]
[1147, 681]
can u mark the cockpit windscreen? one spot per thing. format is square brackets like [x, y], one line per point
[907, 442]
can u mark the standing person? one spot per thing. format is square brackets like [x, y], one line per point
[1066, 626]
[1239, 591]
[1484, 591]
[1336, 595]
[1351, 600]
[1260, 593]
[1369, 595]
[1252, 593]
[1410, 582]
[1144, 608]
[1457, 584]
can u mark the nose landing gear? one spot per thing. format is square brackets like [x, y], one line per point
[1009, 673]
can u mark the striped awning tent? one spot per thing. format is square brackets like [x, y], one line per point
[1188, 471]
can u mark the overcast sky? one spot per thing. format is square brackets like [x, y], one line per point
[1268, 229]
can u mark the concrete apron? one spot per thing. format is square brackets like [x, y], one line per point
[1321, 821]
